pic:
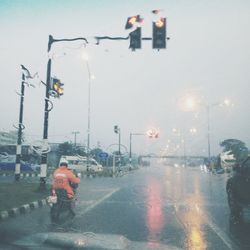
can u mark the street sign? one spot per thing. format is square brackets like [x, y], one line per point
[103, 155]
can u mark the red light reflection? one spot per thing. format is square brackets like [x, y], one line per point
[155, 216]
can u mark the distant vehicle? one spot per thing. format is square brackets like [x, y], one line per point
[238, 187]
[79, 163]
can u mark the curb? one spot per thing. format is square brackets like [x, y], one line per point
[29, 175]
[24, 209]
[81, 175]
[22, 175]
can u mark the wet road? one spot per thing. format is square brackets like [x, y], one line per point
[159, 207]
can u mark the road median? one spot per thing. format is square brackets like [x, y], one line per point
[19, 197]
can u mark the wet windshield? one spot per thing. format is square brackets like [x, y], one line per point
[124, 124]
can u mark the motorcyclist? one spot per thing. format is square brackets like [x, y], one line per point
[64, 178]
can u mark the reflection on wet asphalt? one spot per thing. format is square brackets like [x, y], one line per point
[153, 208]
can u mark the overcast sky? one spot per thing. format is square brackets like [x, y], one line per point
[207, 56]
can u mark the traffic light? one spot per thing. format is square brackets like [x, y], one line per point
[159, 34]
[57, 87]
[132, 20]
[116, 129]
[153, 133]
[135, 39]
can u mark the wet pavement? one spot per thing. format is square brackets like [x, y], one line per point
[158, 207]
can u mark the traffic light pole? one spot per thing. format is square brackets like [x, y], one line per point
[20, 129]
[119, 142]
[89, 101]
[43, 172]
[130, 145]
[130, 148]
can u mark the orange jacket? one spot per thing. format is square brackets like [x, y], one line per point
[62, 178]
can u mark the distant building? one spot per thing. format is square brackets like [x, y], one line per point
[28, 155]
[8, 138]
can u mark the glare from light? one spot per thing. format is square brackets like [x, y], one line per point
[227, 102]
[160, 23]
[132, 20]
[174, 130]
[193, 130]
[190, 103]
[80, 242]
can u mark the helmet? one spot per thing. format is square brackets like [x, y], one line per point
[64, 162]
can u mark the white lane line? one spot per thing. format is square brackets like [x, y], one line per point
[222, 235]
[96, 203]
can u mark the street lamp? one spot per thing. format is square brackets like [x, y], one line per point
[90, 77]
[191, 104]
[181, 134]
[208, 106]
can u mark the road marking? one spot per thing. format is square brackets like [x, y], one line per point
[226, 240]
[220, 234]
[96, 203]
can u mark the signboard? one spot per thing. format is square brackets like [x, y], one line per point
[103, 155]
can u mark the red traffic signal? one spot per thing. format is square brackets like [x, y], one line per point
[153, 133]
[135, 39]
[159, 34]
[132, 20]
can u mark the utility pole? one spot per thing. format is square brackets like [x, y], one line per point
[20, 129]
[119, 142]
[43, 172]
[130, 148]
[130, 145]
[208, 134]
[119, 146]
[88, 132]
[75, 133]
[117, 130]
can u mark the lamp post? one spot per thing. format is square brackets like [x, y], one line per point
[130, 145]
[183, 137]
[88, 142]
[208, 134]
[90, 77]
[20, 129]
[208, 107]
[192, 103]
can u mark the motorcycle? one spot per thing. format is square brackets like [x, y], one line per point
[62, 208]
